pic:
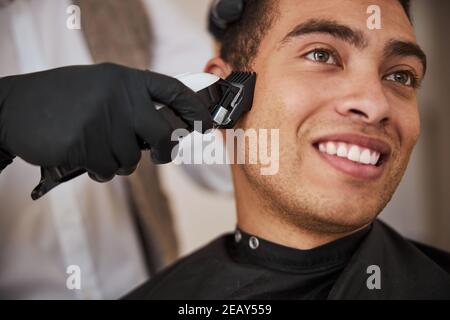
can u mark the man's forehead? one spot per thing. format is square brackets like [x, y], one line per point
[353, 13]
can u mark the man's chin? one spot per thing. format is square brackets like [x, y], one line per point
[337, 225]
[335, 217]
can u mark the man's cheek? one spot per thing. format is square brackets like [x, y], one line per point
[267, 111]
[415, 128]
[409, 130]
[305, 95]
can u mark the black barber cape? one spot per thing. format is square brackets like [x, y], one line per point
[374, 263]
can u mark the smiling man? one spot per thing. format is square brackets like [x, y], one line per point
[344, 98]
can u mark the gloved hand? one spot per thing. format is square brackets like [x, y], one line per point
[95, 117]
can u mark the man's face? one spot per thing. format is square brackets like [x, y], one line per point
[335, 89]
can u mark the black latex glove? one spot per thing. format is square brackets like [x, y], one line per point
[95, 117]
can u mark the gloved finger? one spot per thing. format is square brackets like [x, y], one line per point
[102, 169]
[125, 146]
[161, 150]
[167, 150]
[156, 131]
[126, 171]
[5, 159]
[128, 166]
[101, 163]
[164, 153]
[182, 100]
[99, 178]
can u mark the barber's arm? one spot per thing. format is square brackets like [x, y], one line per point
[95, 117]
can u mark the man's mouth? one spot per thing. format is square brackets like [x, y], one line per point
[356, 155]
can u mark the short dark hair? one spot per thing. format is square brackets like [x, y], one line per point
[240, 41]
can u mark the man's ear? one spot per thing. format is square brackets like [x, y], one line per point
[218, 67]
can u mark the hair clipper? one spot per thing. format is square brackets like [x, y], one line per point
[227, 99]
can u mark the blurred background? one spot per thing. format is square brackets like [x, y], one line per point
[203, 208]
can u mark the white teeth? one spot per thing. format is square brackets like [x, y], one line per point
[350, 151]
[353, 153]
[322, 147]
[342, 150]
[374, 157]
[331, 148]
[365, 156]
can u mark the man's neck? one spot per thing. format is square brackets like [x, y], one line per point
[267, 227]
[255, 216]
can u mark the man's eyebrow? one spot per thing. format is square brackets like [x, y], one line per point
[333, 28]
[405, 49]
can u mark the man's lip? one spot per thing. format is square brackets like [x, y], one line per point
[354, 169]
[374, 144]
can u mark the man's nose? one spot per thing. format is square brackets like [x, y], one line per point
[366, 102]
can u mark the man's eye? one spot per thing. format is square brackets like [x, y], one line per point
[322, 56]
[405, 78]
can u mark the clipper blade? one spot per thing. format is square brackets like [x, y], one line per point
[237, 98]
